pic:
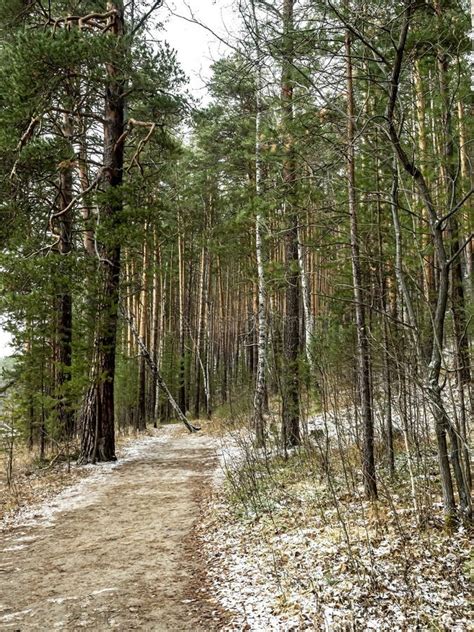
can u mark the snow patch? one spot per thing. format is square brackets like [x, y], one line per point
[16, 547]
[88, 489]
[14, 615]
[103, 590]
[295, 571]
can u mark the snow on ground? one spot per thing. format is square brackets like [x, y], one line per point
[341, 423]
[129, 562]
[85, 491]
[272, 577]
[317, 560]
[230, 452]
[301, 579]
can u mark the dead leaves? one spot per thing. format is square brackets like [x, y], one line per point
[307, 565]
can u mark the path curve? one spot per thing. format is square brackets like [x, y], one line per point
[119, 555]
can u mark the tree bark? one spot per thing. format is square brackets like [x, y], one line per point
[182, 320]
[306, 300]
[64, 301]
[260, 382]
[463, 374]
[142, 390]
[98, 423]
[291, 331]
[363, 354]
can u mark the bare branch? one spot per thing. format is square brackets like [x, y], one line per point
[141, 22]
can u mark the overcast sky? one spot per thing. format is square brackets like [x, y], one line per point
[197, 48]
[5, 349]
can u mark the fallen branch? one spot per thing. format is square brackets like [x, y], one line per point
[53, 462]
[158, 378]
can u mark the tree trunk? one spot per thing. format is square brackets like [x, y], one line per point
[458, 310]
[182, 321]
[142, 391]
[387, 372]
[199, 331]
[291, 333]
[306, 300]
[87, 215]
[259, 396]
[433, 369]
[426, 242]
[363, 355]
[64, 300]
[98, 424]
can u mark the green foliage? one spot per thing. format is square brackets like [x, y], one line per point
[49, 72]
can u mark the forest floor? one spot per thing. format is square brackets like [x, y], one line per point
[163, 541]
[294, 546]
[116, 550]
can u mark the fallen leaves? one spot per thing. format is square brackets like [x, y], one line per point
[335, 564]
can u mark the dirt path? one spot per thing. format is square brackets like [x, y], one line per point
[118, 551]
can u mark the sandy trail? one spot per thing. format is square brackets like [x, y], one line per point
[119, 555]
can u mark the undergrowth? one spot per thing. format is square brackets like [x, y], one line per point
[330, 555]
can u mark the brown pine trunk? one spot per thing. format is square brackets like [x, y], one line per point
[154, 319]
[87, 215]
[428, 271]
[142, 391]
[160, 317]
[199, 333]
[98, 424]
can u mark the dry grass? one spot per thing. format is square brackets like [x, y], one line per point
[297, 538]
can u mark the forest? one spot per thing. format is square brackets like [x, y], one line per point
[262, 299]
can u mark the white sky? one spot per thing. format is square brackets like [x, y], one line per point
[197, 48]
[5, 348]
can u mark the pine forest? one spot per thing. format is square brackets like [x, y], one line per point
[236, 301]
